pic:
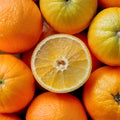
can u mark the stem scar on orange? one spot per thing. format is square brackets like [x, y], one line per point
[102, 93]
[17, 85]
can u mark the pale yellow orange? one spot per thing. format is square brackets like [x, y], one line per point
[68, 16]
[104, 36]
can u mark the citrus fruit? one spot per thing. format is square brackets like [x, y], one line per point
[20, 25]
[101, 93]
[9, 117]
[104, 35]
[54, 106]
[95, 62]
[17, 85]
[108, 3]
[68, 16]
[61, 63]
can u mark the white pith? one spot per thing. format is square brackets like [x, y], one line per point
[61, 64]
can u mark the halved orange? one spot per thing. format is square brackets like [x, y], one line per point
[61, 63]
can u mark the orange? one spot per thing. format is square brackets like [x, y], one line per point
[68, 16]
[101, 94]
[46, 31]
[9, 117]
[61, 63]
[54, 106]
[17, 85]
[95, 62]
[104, 35]
[108, 3]
[20, 25]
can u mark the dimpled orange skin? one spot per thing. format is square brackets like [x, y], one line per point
[101, 94]
[20, 25]
[17, 85]
[68, 16]
[54, 106]
[104, 36]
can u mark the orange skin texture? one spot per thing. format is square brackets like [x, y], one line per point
[67, 16]
[9, 117]
[108, 3]
[100, 92]
[104, 34]
[53, 106]
[20, 27]
[95, 62]
[17, 86]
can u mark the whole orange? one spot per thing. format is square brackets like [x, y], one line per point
[17, 85]
[104, 35]
[108, 3]
[20, 25]
[9, 117]
[101, 94]
[55, 106]
[68, 16]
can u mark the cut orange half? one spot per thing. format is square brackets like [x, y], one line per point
[61, 63]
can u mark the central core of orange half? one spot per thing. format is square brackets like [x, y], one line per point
[61, 64]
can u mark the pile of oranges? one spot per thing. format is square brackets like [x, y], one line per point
[59, 60]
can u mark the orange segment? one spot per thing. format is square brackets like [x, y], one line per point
[61, 63]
